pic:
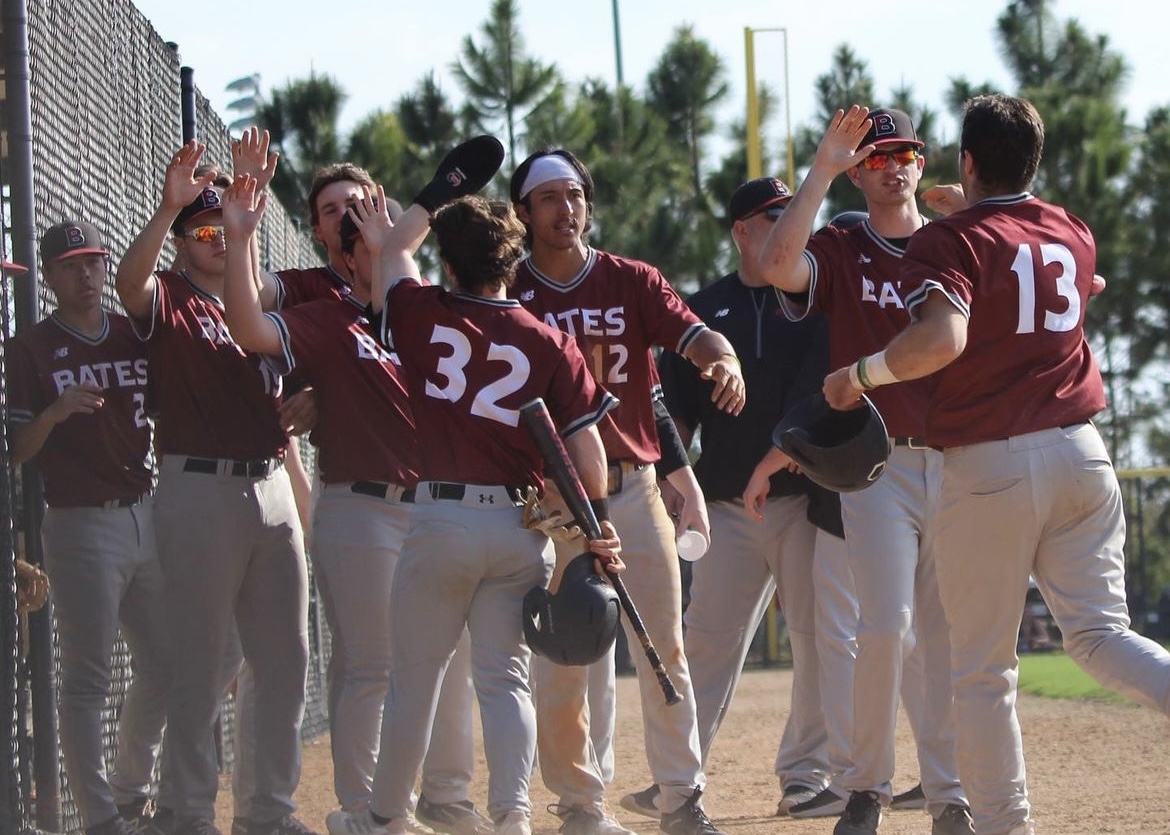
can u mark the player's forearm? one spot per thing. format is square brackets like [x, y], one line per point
[588, 456]
[265, 281]
[774, 461]
[135, 279]
[931, 342]
[27, 439]
[708, 347]
[245, 318]
[781, 262]
[302, 488]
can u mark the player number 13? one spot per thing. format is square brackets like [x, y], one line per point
[1025, 269]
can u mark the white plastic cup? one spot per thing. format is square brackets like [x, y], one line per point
[692, 545]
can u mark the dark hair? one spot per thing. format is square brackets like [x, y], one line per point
[481, 240]
[222, 178]
[338, 172]
[1005, 137]
[521, 172]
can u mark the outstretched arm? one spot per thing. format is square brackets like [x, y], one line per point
[135, 279]
[392, 245]
[250, 328]
[780, 260]
[931, 342]
[251, 155]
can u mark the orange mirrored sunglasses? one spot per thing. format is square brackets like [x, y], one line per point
[204, 234]
[879, 159]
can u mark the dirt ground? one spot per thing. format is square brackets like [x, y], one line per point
[1094, 767]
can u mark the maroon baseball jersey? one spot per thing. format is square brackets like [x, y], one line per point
[364, 431]
[300, 286]
[213, 399]
[855, 284]
[617, 310]
[470, 363]
[1020, 269]
[87, 459]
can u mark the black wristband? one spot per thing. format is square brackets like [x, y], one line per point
[600, 509]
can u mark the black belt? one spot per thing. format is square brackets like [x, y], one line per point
[249, 468]
[913, 442]
[454, 492]
[615, 476]
[379, 489]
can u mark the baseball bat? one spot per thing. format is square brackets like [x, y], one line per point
[559, 467]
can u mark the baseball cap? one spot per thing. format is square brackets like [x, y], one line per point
[71, 238]
[9, 266]
[208, 201]
[891, 127]
[755, 196]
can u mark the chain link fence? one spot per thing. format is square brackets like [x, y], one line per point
[106, 118]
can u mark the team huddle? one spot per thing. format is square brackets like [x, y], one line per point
[962, 339]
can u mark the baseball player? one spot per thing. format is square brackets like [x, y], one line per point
[470, 358]
[851, 276]
[226, 524]
[617, 310]
[368, 466]
[998, 293]
[748, 562]
[76, 404]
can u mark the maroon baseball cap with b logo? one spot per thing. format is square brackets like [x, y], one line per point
[891, 127]
[70, 239]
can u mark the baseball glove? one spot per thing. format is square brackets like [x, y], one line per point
[544, 516]
[32, 587]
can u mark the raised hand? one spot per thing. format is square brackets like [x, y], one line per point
[242, 208]
[838, 151]
[251, 155]
[371, 215]
[181, 186]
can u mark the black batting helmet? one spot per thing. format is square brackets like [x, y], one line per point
[840, 450]
[847, 220]
[577, 625]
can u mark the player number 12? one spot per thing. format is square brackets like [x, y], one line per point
[1025, 269]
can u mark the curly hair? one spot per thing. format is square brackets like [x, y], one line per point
[481, 240]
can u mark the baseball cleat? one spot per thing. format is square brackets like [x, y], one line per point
[954, 820]
[827, 804]
[363, 823]
[862, 815]
[909, 799]
[793, 795]
[288, 825]
[458, 818]
[643, 802]
[515, 822]
[688, 819]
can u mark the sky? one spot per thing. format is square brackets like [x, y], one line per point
[377, 51]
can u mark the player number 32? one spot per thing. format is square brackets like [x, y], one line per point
[486, 401]
[1025, 269]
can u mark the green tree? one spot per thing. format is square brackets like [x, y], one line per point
[847, 82]
[302, 119]
[684, 88]
[502, 83]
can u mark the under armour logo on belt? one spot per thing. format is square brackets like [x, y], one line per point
[487, 498]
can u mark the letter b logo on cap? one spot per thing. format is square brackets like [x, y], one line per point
[74, 237]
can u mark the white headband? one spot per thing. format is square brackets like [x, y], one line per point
[546, 169]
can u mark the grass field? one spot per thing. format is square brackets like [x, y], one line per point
[1057, 676]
